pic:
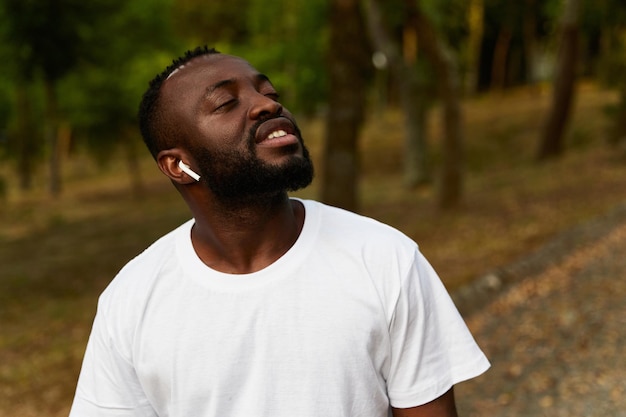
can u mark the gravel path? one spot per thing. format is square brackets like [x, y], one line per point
[556, 338]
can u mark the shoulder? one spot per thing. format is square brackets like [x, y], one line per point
[348, 228]
[365, 250]
[359, 243]
[140, 274]
[122, 305]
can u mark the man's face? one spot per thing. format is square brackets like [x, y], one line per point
[244, 143]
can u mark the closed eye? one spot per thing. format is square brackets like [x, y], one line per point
[226, 104]
[273, 95]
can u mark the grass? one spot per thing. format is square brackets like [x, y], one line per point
[57, 255]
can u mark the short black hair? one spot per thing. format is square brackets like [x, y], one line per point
[153, 126]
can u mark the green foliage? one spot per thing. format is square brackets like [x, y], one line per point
[450, 17]
[7, 76]
[101, 99]
[102, 53]
[285, 39]
[552, 9]
[291, 49]
[21, 112]
[52, 35]
[87, 53]
[210, 22]
[605, 21]
[612, 64]
[5, 111]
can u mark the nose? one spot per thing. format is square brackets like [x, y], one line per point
[264, 106]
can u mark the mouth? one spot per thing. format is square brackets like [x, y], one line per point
[276, 132]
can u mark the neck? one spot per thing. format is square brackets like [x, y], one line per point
[245, 236]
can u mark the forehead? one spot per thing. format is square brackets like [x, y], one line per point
[183, 92]
[206, 70]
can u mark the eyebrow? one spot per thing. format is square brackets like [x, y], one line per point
[218, 85]
[230, 81]
[263, 77]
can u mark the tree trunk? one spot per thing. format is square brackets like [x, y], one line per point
[476, 26]
[133, 165]
[500, 54]
[25, 135]
[416, 164]
[445, 68]
[530, 52]
[617, 136]
[551, 143]
[51, 134]
[416, 161]
[417, 155]
[348, 64]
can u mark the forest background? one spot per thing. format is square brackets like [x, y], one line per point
[481, 128]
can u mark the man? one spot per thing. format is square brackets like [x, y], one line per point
[262, 305]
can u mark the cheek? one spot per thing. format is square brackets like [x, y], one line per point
[209, 138]
[225, 132]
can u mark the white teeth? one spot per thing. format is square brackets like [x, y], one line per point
[277, 134]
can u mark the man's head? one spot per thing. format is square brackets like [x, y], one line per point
[152, 124]
[222, 117]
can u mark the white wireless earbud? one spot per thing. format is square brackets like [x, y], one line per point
[188, 170]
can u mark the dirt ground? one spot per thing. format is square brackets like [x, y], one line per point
[556, 337]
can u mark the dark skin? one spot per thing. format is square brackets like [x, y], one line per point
[213, 101]
[234, 239]
[443, 406]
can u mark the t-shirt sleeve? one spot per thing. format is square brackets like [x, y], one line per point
[431, 347]
[108, 385]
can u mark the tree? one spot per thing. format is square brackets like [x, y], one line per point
[501, 50]
[348, 67]
[475, 23]
[102, 105]
[22, 139]
[511, 35]
[25, 135]
[529, 33]
[50, 38]
[405, 74]
[291, 49]
[445, 66]
[608, 24]
[199, 21]
[551, 140]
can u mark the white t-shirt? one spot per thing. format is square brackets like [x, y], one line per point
[352, 319]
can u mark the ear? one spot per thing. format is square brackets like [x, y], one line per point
[168, 160]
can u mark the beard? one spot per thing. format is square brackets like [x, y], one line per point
[240, 176]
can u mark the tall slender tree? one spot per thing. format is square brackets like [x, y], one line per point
[405, 74]
[445, 65]
[19, 135]
[552, 136]
[348, 68]
[102, 106]
[610, 25]
[476, 27]
[50, 37]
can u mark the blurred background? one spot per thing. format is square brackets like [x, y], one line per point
[480, 128]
